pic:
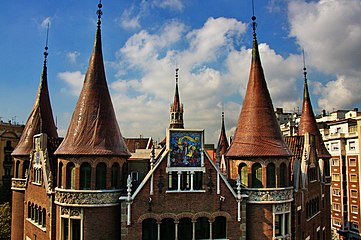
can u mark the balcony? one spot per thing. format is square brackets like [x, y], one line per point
[18, 184]
[86, 198]
[269, 195]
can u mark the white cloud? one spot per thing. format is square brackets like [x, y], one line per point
[73, 80]
[45, 22]
[128, 20]
[330, 33]
[171, 4]
[72, 56]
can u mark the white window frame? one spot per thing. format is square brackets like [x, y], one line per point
[354, 209]
[354, 162]
[353, 191]
[353, 176]
[336, 192]
[352, 145]
[334, 177]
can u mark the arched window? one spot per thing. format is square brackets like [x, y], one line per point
[219, 228]
[115, 176]
[271, 175]
[44, 217]
[149, 229]
[257, 176]
[243, 173]
[36, 210]
[283, 175]
[101, 176]
[185, 228]
[202, 228]
[167, 229]
[40, 216]
[17, 169]
[29, 210]
[25, 169]
[32, 212]
[60, 178]
[70, 176]
[85, 176]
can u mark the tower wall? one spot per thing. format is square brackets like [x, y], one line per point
[259, 221]
[17, 217]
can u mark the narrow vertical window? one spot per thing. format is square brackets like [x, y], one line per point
[271, 178]
[257, 176]
[101, 173]
[85, 176]
[283, 175]
[243, 173]
[115, 174]
[70, 176]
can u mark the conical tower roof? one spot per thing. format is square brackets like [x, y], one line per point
[308, 122]
[176, 109]
[41, 117]
[222, 145]
[257, 133]
[93, 128]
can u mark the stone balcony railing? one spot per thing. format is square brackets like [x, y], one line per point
[269, 195]
[18, 184]
[86, 198]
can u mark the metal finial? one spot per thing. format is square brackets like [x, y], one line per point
[254, 24]
[99, 13]
[46, 44]
[304, 66]
[176, 75]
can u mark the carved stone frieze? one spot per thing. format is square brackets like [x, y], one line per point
[269, 195]
[18, 184]
[282, 207]
[87, 198]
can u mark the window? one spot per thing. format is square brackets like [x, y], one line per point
[336, 192]
[173, 181]
[354, 226]
[354, 209]
[167, 229]
[85, 176]
[353, 177]
[352, 145]
[336, 207]
[134, 175]
[354, 193]
[337, 222]
[71, 227]
[257, 176]
[37, 215]
[271, 178]
[334, 146]
[115, 174]
[149, 229]
[101, 175]
[185, 228]
[219, 227]
[283, 175]
[60, 178]
[335, 177]
[335, 162]
[281, 224]
[243, 173]
[17, 165]
[202, 228]
[185, 180]
[353, 162]
[70, 176]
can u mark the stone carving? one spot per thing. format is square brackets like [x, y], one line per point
[86, 198]
[269, 195]
[282, 207]
[18, 184]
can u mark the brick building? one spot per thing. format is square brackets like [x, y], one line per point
[82, 188]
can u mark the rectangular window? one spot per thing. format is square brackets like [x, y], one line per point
[135, 176]
[353, 193]
[173, 181]
[352, 145]
[337, 222]
[335, 177]
[336, 192]
[335, 162]
[278, 225]
[334, 146]
[336, 207]
[354, 209]
[353, 177]
[71, 229]
[352, 162]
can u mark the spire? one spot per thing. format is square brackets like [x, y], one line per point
[257, 133]
[222, 145]
[308, 121]
[176, 110]
[93, 129]
[41, 117]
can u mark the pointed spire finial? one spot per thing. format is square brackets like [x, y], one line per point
[46, 45]
[254, 24]
[304, 66]
[99, 13]
[176, 75]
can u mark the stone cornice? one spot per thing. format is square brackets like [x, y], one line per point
[18, 184]
[86, 198]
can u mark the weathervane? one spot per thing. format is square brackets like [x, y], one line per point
[99, 13]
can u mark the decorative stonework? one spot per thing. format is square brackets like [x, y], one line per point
[264, 195]
[87, 198]
[282, 207]
[18, 184]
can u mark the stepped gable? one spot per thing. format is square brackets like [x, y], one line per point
[93, 128]
[40, 119]
[258, 133]
[308, 123]
[222, 145]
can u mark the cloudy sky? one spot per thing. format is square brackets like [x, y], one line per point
[209, 41]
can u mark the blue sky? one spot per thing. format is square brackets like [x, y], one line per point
[144, 41]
